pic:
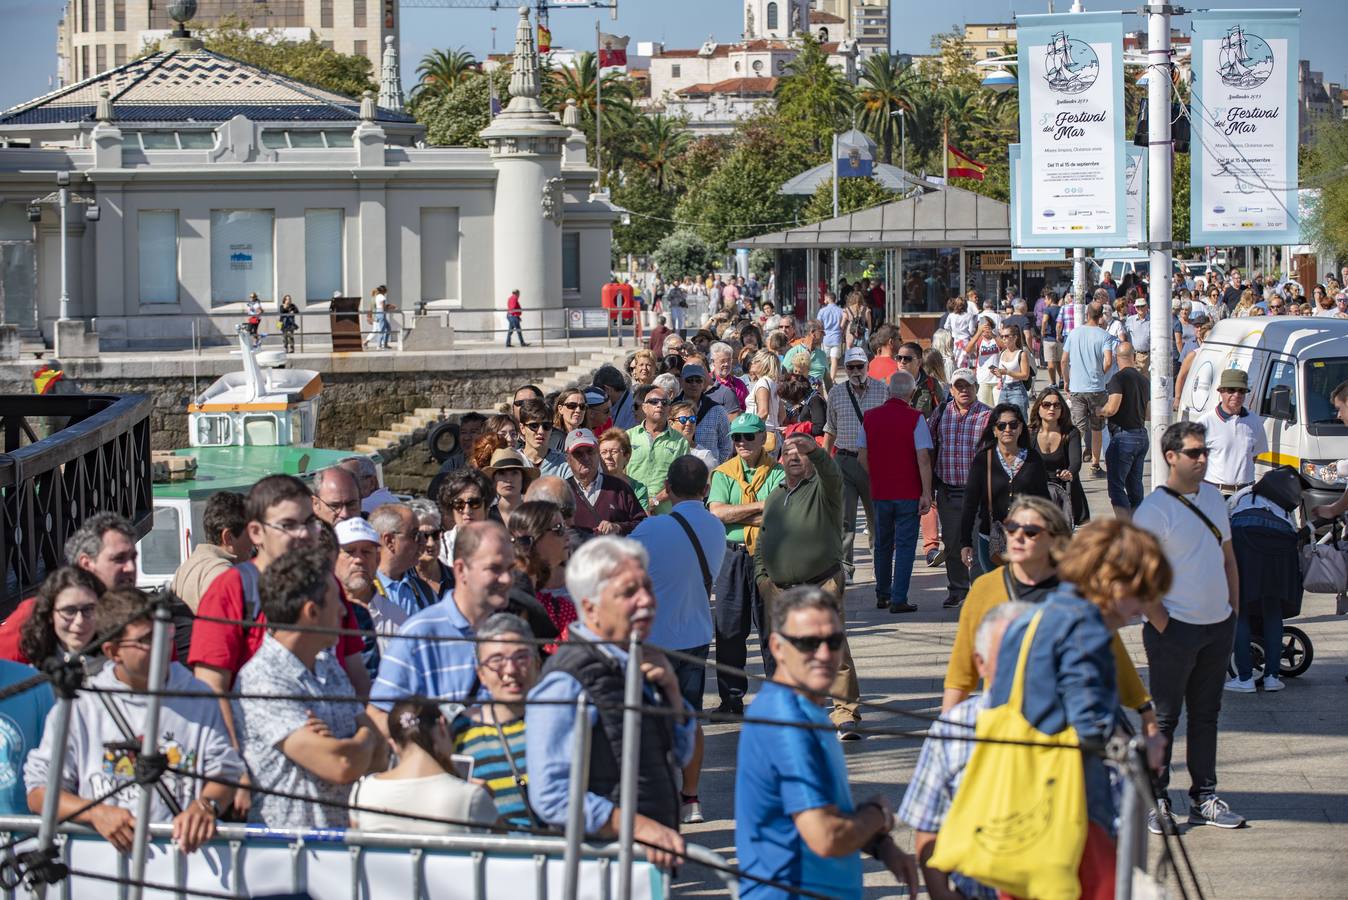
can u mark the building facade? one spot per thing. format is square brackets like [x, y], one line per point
[215, 179]
[985, 40]
[97, 35]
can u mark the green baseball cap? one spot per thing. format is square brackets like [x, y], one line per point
[747, 423]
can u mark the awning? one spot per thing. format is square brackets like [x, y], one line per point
[944, 217]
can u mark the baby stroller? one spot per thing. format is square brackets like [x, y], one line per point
[1269, 550]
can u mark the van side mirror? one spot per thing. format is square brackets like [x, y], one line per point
[1280, 403]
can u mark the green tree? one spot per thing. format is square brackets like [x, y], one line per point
[455, 118]
[814, 95]
[1179, 197]
[440, 71]
[578, 82]
[650, 214]
[1326, 226]
[885, 89]
[685, 253]
[854, 195]
[308, 60]
[657, 141]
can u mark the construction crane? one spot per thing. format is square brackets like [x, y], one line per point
[541, 7]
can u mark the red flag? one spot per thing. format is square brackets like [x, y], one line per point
[544, 39]
[959, 165]
[612, 50]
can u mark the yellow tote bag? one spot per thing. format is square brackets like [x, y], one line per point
[1018, 821]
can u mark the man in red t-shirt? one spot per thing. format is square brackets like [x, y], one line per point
[280, 518]
[885, 342]
[900, 476]
[105, 547]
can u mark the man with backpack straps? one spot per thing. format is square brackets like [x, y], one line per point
[686, 547]
[848, 403]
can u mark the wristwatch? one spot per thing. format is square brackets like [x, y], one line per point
[211, 804]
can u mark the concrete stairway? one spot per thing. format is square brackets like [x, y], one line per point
[412, 428]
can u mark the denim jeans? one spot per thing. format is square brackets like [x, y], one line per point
[1271, 628]
[1016, 392]
[896, 528]
[513, 327]
[1124, 458]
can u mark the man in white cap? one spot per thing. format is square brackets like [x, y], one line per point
[356, 568]
[605, 504]
[1139, 333]
[955, 428]
[848, 402]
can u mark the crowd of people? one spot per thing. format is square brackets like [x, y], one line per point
[341, 651]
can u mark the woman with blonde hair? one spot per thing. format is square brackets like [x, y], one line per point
[765, 370]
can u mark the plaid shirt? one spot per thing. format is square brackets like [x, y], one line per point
[1067, 319]
[957, 437]
[842, 421]
[932, 788]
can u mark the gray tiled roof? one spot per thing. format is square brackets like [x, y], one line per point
[192, 85]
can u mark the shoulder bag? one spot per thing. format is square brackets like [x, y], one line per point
[996, 533]
[697, 548]
[1213, 529]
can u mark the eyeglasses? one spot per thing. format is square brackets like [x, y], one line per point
[810, 645]
[519, 403]
[520, 659]
[1011, 425]
[1050, 404]
[686, 420]
[430, 534]
[1031, 531]
[69, 614]
[743, 438]
[294, 529]
[350, 506]
[537, 426]
[905, 358]
[466, 503]
[856, 367]
[559, 529]
[1241, 391]
[658, 402]
[1195, 452]
[693, 379]
[573, 406]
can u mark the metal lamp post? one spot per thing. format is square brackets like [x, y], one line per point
[63, 194]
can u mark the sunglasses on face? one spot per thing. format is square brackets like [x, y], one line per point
[693, 379]
[573, 406]
[810, 645]
[1012, 425]
[429, 534]
[742, 438]
[1195, 452]
[857, 367]
[1050, 404]
[537, 426]
[464, 503]
[658, 402]
[686, 420]
[905, 358]
[1031, 531]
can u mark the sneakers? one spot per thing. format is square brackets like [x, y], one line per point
[690, 810]
[847, 731]
[935, 557]
[904, 607]
[1214, 811]
[1240, 685]
[952, 602]
[1272, 683]
[1160, 820]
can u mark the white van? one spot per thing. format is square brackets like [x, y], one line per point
[1293, 364]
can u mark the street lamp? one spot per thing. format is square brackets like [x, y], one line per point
[62, 198]
[903, 140]
[999, 80]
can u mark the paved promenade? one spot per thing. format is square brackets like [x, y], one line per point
[1283, 758]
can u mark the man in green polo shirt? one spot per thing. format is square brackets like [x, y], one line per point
[654, 445]
[738, 488]
[802, 543]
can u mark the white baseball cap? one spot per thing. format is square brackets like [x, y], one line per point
[353, 531]
[856, 354]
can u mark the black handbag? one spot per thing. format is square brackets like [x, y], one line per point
[1282, 485]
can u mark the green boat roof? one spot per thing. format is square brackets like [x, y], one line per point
[237, 468]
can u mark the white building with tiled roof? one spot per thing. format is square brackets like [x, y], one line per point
[215, 179]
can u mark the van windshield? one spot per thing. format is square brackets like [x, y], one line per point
[1322, 376]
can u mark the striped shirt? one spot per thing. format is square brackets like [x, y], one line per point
[956, 435]
[441, 669]
[492, 766]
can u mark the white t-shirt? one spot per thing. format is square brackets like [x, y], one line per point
[1232, 446]
[1198, 594]
[770, 416]
[435, 796]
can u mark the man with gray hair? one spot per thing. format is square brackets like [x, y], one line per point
[901, 488]
[944, 757]
[608, 581]
[399, 548]
[725, 388]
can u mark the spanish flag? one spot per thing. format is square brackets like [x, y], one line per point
[958, 165]
[544, 39]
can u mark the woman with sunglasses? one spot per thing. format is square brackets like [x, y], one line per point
[683, 419]
[1012, 366]
[541, 552]
[982, 351]
[438, 576]
[1005, 465]
[465, 496]
[62, 621]
[569, 414]
[1059, 444]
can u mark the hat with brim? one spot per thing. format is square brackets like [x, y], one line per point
[580, 437]
[748, 423]
[965, 375]
[354, 531]
[504, 460]
[1234, 380]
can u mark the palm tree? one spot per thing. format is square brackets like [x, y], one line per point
[657, 141]
[577, 82]
[441, 70]
[885, 88]
[814, 91]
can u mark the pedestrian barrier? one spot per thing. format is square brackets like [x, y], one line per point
[248, 859]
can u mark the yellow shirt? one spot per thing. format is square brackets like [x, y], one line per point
[990, 590]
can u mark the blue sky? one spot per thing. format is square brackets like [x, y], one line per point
[28, 40]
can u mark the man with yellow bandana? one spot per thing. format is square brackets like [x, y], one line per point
[738, 488]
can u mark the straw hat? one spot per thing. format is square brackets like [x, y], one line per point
[510, 459]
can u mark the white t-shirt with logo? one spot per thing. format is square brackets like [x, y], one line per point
[1198, 594]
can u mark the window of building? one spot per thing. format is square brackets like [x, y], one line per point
[119, 16]
[119, 54]
[676, 71]
[322, 253]
[196, 140]
[325, 14]
[84, 17]
[758, 65]
[327, 45]
[439, 254]
[157, 250]
[241, 254]
[772, 15]
[100, 58]
[359, 48]
[993, 33]
[570, 261]
[100, 15]
[84, 72]
[158, 140]
[358, 15]
[306, 138]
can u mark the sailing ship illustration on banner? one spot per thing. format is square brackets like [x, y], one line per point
[1070, 66]
[1245, 61]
